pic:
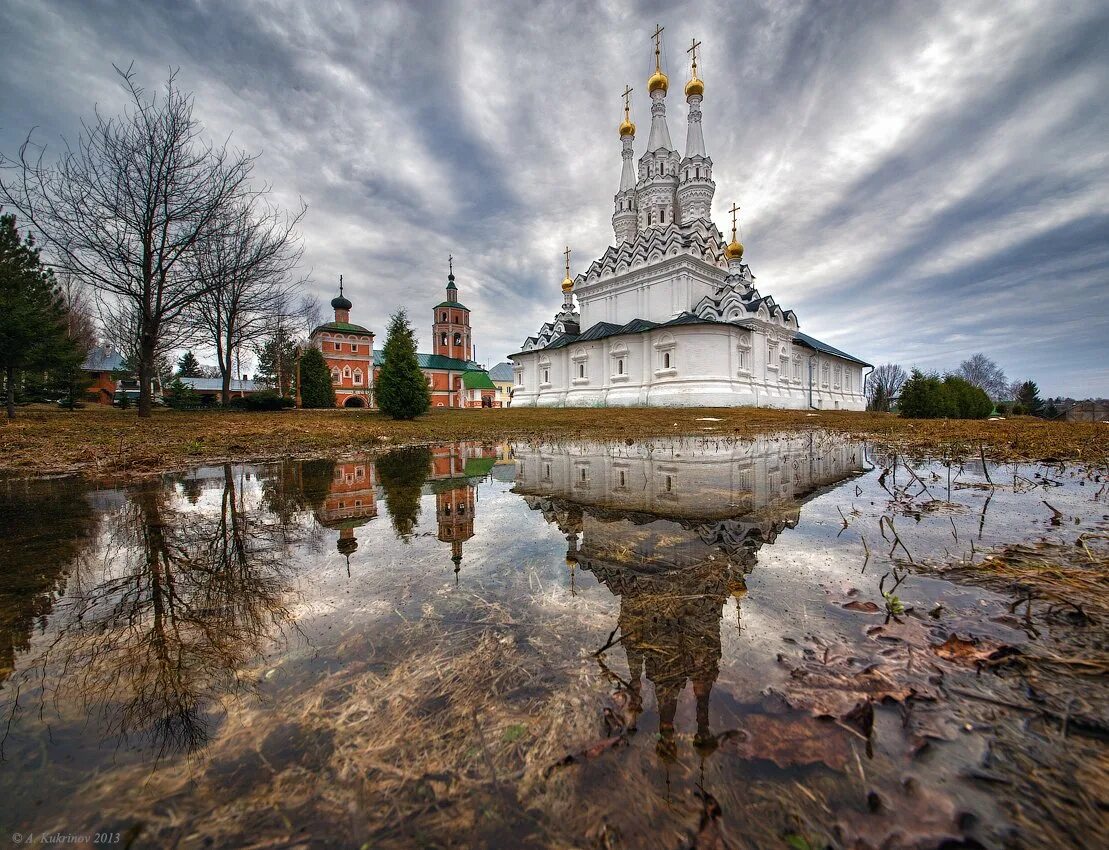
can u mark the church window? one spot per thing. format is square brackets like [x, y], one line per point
[669, 483]
[847, 380]
[583, 474]
[839, 378]
[666, 360]
[662, 216]
[772, 355]
[346, 372]
[622, 480]
[797, 370]
[546, 376]
[744, 360]
[824, 375]
[620, 366]
[648, 219]
[581, 370]
[354, 348]
[697, 171]
[443, 317]
[458, 339]
[358, 377]
[334, 376]
[442, 339]
[338, 346]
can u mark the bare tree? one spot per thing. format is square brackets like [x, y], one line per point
[983, 373]
[124, 209]
[883, 385]
[246, 264]
[79, 312]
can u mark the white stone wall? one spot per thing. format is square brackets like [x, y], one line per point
[710, 365]
[657, 292]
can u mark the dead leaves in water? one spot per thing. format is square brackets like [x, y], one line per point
[974, 652]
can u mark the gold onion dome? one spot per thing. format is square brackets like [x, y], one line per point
[567, 284]
[734, 249]
[695, 87]
[627, 128]
[658, 81]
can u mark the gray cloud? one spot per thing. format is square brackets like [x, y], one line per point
[919, 180]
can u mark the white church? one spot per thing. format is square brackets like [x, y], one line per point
[669, 315]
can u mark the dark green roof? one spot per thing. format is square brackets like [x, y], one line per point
[452, 304]
[342, 327]
[434, 361]
[475, 380]
[478, 467]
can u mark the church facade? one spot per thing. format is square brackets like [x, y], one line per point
[669, 315]
[454, 379]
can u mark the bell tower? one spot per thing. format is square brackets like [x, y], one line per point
[450, 324]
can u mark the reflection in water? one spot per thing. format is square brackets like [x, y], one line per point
[148, 637]
[673, 535]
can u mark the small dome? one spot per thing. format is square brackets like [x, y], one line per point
[627, 128]
[567, 284]
[341, 303]
[694, 87]
[734, 250]
[658, 82]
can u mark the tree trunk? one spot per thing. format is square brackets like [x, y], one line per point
[146, 374]
[225, 351]
[11, 392]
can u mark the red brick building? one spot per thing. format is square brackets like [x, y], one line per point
[454, 378]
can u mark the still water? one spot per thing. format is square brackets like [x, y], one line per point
[667, 645]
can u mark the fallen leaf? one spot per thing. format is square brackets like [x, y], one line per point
[790, 740]
[973, 651]
[866, 607]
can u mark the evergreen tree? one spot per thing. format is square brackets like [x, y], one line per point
[315, 380]
[32, 314]
[402, 390]
[277, 362]
[188, 366]
[1029, 398]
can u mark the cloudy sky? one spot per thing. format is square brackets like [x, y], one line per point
[919, 180]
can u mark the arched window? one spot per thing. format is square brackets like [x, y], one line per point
[443, 317]
[620, 366]
[697, 171]
[358, 377]
[458, 339]
[666, 360]
[648, 224]
[442, 339]
[662, 216]
[346, 373]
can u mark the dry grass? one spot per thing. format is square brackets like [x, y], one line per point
[101, 441]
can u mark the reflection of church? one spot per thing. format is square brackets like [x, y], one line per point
[351, 502]
[454, 469]
[674, 534]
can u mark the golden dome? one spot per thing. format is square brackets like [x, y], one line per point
[658, 81]
[567, 284]
[627, 128]
[694, 87]
[738, 588]
[734, 250]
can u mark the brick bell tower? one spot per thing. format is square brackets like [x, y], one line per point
[450, 324]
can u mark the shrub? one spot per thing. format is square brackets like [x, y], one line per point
[262, 401]
[926, 396]
[181, 396]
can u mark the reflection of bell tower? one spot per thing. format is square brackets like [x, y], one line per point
[454, 511]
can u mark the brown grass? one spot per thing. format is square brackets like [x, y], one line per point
[99, 441]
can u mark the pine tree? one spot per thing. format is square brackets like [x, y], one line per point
[188, 366]
[32, 314]
[277, 362]
[402, 390]
[1029, 398]
[315, 380]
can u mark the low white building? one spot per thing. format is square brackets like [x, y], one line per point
[669, 315]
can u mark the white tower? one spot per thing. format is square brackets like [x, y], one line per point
[695, 186]
[656, 191]
[624, 220]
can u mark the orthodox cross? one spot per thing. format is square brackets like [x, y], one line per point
[658, 39]
[693, 50]
[567, 253]
[733, 211]
[340, 286]
[627, 99]
[450, 263]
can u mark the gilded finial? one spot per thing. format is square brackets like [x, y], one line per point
[567, 282]
[658, 80]
[627, 128]
[695, 86]
[734, 249]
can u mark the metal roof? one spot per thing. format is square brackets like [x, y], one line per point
[103, 359]
[817, 345]
[501, 372]
[342, 327]
[216, 385]
[475, 380]
[435, 361]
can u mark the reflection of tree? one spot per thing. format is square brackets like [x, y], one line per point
[186, 599]
[43, 527]
[294, 486]
[402, 474]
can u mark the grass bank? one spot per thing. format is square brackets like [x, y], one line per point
[104, 441]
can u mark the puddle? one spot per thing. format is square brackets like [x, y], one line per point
[788, 642]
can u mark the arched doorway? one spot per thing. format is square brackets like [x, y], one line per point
[354, 401]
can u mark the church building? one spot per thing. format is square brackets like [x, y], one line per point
[454, 379]
[669, 315]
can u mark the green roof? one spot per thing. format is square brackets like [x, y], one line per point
[344, 327]
[475, 380]
[452, 304]
[434, 361]
[478, 467]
